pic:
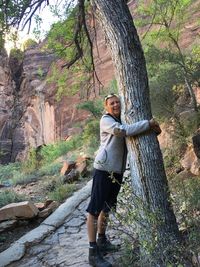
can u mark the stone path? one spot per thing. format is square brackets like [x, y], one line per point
[66, 245]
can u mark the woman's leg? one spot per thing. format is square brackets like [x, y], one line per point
[92, 227]
[102, 222]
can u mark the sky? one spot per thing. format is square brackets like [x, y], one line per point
[47, 20]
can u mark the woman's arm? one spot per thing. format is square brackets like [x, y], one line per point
[109, 125]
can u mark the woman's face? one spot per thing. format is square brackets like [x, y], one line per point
[113, 106]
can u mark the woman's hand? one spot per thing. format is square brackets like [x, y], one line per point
[154, 125]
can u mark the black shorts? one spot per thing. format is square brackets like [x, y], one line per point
[105, 189]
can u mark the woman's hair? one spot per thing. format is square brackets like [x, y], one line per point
[109, 96]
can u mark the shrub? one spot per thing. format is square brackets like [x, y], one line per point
[24, 178]
[91, 136]
[29, 43]
[9, 196]
[186, 202]
[53, 151]
[129, 222]
[62, 191]
[50, 169]
[94, 107]
[16, 53]
[8, 171]
[31, 163]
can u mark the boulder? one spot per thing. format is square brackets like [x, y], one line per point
[67, 167]
[166, 137]
[190, 162]
[72, 176]
[25, 210]
[47, 211]
[82, 168]
[196, 144]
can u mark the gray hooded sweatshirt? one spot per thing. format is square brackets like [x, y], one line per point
[112, 152]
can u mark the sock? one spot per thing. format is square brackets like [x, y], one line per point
[93, 244]
[102, 236]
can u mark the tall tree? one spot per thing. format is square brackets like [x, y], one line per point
[147, 169]
[166, 19]
[146, 162]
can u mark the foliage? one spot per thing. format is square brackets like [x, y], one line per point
[52, 151]
[91, 136]
[188, 125]
[165, 81]
[129, 220]
[28, 44]
[50, 169]
[95, 107]
[168, 19]
[193, 65]
[185, 195]
[21, 178]
[16, 53]
[171, 157]
[9, 196]
[31, 163]
[112, 87]
[187, 192]
[8, 171]
[61, 42]
[62, 191]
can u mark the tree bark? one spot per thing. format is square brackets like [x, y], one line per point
[147, 169]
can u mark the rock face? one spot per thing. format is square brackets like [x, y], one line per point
[30, 116]
[7, 88]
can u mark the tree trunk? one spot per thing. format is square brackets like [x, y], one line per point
[146, 162]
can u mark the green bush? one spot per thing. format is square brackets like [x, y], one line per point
[186, 193]
[7, 172]
[21, 178]
[29, 43]
[31, 163]
[9, 196]
[62, 191]
[51, 152]
[91, 136]
[16, 53]
[186, 202]
[189, 124]
[50, 169]
[94, 107]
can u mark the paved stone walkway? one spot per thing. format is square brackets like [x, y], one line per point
[66, 245]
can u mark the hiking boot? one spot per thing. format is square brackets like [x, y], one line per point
[96, 259]
[105, 245]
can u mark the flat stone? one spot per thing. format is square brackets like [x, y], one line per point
[25, 209]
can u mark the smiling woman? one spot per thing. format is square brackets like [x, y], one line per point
[109, 166]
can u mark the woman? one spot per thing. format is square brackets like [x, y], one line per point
[109, 164]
